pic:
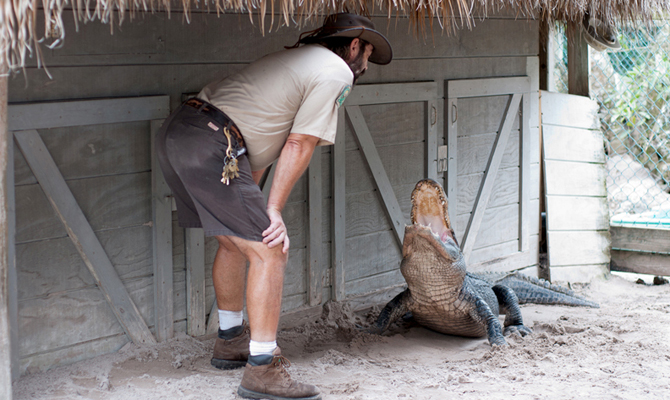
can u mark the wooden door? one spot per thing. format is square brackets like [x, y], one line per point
[83, 195]
[493, 201]
[386, 142]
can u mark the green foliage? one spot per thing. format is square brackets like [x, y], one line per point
[634, 91]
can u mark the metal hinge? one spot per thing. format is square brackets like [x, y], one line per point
[441, 159]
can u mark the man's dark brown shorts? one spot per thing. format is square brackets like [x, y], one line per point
[191, 148]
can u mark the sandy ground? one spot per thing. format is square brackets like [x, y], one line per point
[619, 351]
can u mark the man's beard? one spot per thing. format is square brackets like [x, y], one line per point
[356, 65]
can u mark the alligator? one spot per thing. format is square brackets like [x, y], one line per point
[444, 297]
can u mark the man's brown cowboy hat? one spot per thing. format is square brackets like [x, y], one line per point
[353, 26]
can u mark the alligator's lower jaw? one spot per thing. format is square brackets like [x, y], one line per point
[418, 232]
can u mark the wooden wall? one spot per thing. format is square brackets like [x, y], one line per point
[62, 315]
[578, 234]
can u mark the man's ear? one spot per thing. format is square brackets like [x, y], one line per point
[354, 48]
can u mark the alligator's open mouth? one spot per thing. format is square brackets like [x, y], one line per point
[429, 208]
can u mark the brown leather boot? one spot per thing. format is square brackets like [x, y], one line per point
[272, 381]
[232, 353]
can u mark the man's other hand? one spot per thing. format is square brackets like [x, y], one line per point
[277, 232]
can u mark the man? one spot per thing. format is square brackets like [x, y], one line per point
[214, 150]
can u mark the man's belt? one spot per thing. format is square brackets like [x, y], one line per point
[218, 116]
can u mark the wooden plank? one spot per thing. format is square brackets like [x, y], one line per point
[392, 124]
[641, 239]
[339, 210]
[6, 356]
[566, 178]
[358, 178]
[81, 233]
[482, 115]
[372, 254]
[451, 176]
[505, 256]
[572, 213]
[195, 281]
[525, 167]
[365, 212]
[579, 273]
[93, 150]
[501, 225]
[161, 199]
[475, 152]
[578, 247]
[432, 134]
[374, 283]
[83, 236]
[470, 236]
[533, 72]
[47, 267]
[213, 320]
[505, 190]
[391, 93]
[40, 362]
[12, 275]
[153, 78]
[487, 87]
[87, 112]
[108, 202]
[510, 262]
[84, 315]
[578, 60]
[377, 168]
[640, 263]
[573, 144]
[315, 271]
[569, 110]
[168, 41]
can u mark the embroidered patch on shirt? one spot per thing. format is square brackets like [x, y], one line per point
[213, 126]
[343, 95]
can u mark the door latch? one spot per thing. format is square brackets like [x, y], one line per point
[442, 159]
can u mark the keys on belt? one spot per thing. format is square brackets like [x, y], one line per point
[235, 146]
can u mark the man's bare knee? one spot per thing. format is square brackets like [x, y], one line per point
[272, 256]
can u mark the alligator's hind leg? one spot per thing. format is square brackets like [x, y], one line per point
[393, 310]
[509, 305]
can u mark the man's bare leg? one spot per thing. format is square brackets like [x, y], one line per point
[228, 273]
[265, 283]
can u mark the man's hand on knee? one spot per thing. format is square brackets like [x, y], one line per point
[277, 232]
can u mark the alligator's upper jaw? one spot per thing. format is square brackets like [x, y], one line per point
[429, 208]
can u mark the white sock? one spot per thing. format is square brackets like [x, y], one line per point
[230, 319]
[261, 348]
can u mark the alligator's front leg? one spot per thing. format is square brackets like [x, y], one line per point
[482, 312]
[509, 305]
[394, 309]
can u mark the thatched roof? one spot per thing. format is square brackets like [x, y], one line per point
[20, 35]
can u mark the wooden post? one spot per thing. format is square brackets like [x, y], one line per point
[5, 343]
[543, 51]
[162, 246]
[196, 309]
[315, 273]
[578, 61]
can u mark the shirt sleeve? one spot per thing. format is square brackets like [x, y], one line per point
[317, 115]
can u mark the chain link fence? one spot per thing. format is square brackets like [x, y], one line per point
[632, 87]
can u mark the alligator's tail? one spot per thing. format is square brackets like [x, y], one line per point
[538, 291]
